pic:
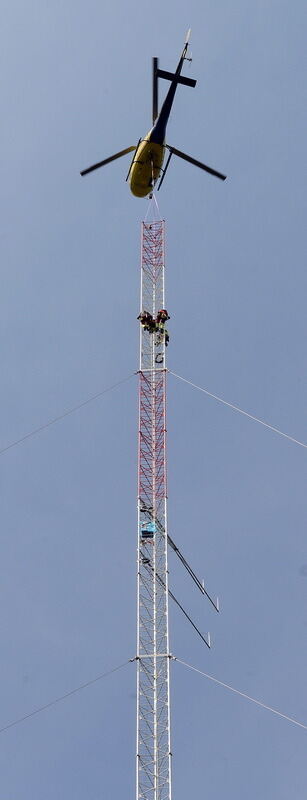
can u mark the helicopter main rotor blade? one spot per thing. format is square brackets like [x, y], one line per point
[155, 112]
[107, 160]
[196, 163]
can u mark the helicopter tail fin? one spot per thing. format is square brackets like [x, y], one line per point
[187, 38]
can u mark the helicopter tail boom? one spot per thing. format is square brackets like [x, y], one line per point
[173, 77]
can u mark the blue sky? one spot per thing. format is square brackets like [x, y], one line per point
[76, 88]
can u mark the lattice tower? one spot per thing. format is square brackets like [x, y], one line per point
[153, 779]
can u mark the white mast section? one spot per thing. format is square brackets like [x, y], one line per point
[153, 767]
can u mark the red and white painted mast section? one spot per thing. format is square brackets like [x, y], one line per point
[153, 780]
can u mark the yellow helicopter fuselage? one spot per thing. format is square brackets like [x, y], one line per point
[146, 166]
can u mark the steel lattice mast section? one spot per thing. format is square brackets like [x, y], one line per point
[153, 769]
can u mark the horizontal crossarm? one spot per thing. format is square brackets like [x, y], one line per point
[170, 76]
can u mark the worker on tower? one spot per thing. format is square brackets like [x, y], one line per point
[162, 317]
[147, 321]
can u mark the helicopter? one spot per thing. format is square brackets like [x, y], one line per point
[146, 168]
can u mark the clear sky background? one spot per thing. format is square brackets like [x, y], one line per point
[76, 87]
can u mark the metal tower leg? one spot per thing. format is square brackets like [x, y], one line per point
[153, 778]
